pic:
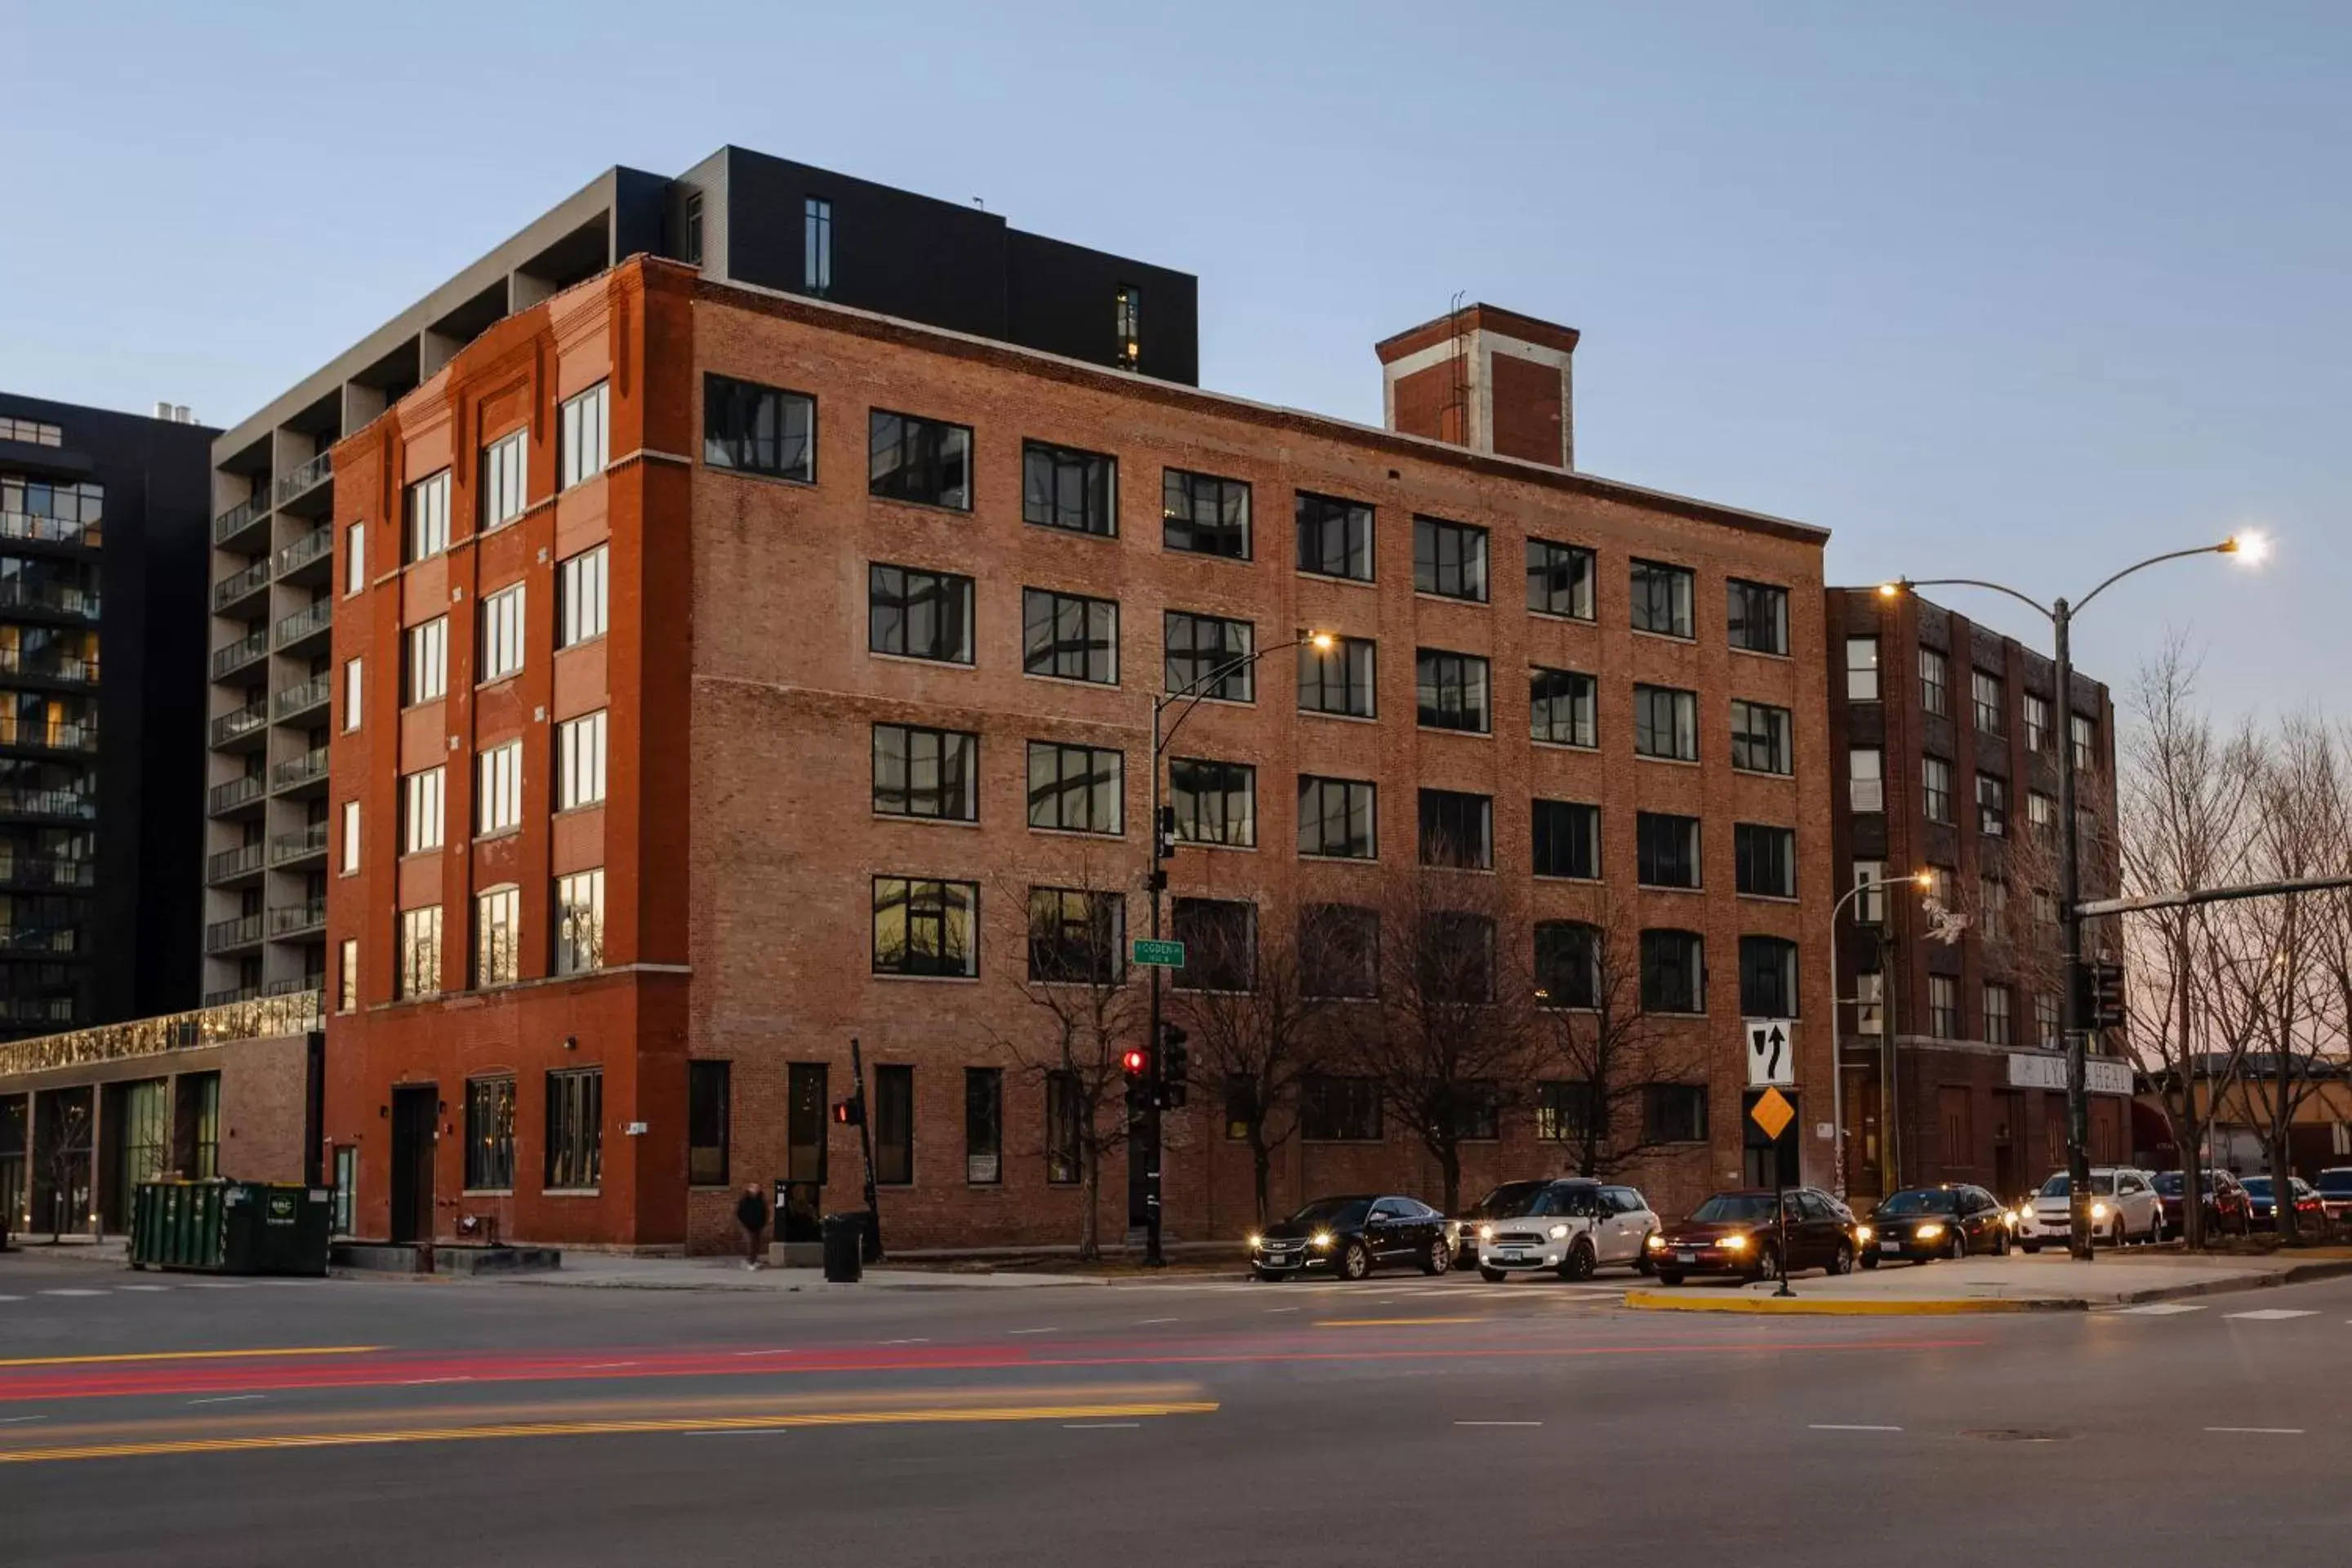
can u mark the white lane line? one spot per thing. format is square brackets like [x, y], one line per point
[1498, 1422]
[146, 1288]
[2259, 1431]
[19, 1420]
[1044, 1331]
[2161, 1309]
[422, 1381]
[734, 1432]
[1153, 1322]
[1846, 1427]
[1097, 1426]
[912, 1342]
[226, 1399]
[215, 1285]
[605, 1366]
[1282, 1309]
[2273, 1314]
[11, 1298]
[73, 1292]
[766, 1353]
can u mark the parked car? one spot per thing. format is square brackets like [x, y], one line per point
[1947, 1221]
[1740, 1233]
[2263, 1208]
[1571, 1226]
[2228, 1210]
[1351, 1236]
[1506, 1202]
[2335, 1187]
[2124, 1208]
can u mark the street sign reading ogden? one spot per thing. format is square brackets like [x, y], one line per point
[1159, 955]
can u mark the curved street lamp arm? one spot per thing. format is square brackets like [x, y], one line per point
[2222, 549]
[2042, 609]
[1192, 694]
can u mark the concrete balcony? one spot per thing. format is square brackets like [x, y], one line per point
[306, 843]
[315, 549]
[241, 724]
[299, 919]
[239, 796]
[226, 936]
[245, 523]
[299, 487]
[303, 697]
[234, 589]
[234, 864]
[236, 655]
[304, 626]
[295, 772]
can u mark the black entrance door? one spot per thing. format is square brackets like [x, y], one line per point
[414, 1111]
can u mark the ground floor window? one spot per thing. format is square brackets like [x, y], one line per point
[347, 1184]
[894, 1125]
[984, 1125]
[575, 1116]
[489, 1134]
[804, 1123]
[1064, 1113]
[707, 1086]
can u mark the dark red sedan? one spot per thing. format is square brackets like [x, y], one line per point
[2229, 1211]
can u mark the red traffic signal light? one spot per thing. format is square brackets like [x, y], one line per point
[850, 1112]
[1133, 1061]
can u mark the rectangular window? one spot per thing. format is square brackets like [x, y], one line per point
[1935, 682]
[1336, 818]
[926, 926]
[502, 481]
[2037, 723]
[355, 558]
[1992, 904]
[693, 241]
[489, 1134]
[1062, 486]
[1869, 1004]
[2049, 1023]
[1674, 972]
[579, 597]
[2041, 811]
[1457, 829]
[1219, 936]
[1566, 839]
[1339, 1109]
[1767, 978]
[1992, 708]
[915, 614]
[426, 513]
[420, 811]
[1209, 655]
[1449, 559]
[1337, 680]
[1077, 937]
[1339, 951]
[894, 1126]
[420, 952]
[1065, 1116]
[1453, 691]
[1568, 963]
[1662, 599]
[575, 1130]
[580, 436]
[1069, 636]
[497, 926]
[756, 429]
[1674, 1113]
[1865, 778]
[355, 694]
[1215, 803]
[1761, 739]
[350, 854]
[579, 761]
[925, 773]
[1076, 789]
[709, 1090]
[1563, 707]
[816, 244]
[1559, 580]
[502, 635]
[1666, 850]
[497, 789]
[923, 460]
[2045, 906]
[1870, 903]
[983, 1126]
[1127, 323]
[1204, 515]
[1335, 537]
[1944, 1007]
[1992, 806]
[1563, 1111]
[1759, 616]
[347, 976]
[1456, 958]
[806, 1109]
[580, 921]
[1936, 788]
[1861, 670]
[1764, 860]
[2086, 737]
[1665, 723]
[424, 674]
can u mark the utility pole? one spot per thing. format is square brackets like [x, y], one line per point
[1155, 883]
[866, 1146]
[2069, 893]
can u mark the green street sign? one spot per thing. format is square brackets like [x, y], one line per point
[1160, 954]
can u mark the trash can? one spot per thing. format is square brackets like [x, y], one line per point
[845, 1241]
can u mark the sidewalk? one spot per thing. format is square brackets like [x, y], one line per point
[592, 1270]
[2011, 1284]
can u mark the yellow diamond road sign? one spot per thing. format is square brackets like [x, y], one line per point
[1773, 1112]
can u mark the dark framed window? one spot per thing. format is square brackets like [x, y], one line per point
[1665, 723]
[1936, 788]
[1992, 806]
[1449, 558]
[1861, 670]
[894, 1126]
[1568, 963]
[1338, 1110]
[1215, 803]
[1457, 829]
[1453, 691]
[1760, 738]
[1759, 616]
[1069, 636]
[1674, 972]
[1202, 514]
[1197, 647]
[1337, 680]
[915, 459]
[1477, 1109]
[1241, 1106]
[1934, 681]
[1336, 818]
[1076, 789]
[757, 429]
[1666, 850]
[709, 1087]
[1219, 938]
[919, 771]
[1127, 323]
[1077, 937]
[816, 245]
[1563, 708]
[575, 1130]
[1339, 951]
[1662, 599]
[1764, 860]
[1335, 537]
[926, 926]
[489, 1134]
[1767, 978]
[1559, 580]
[983, 1126]
[1563, 1111]
[1674, 1113]
[917, 614]
[1944, 1007]
[1062, 486]
[1066, 1113]
[1991, 701]
[1566, 839]
[1456, 958]
[806, 1121]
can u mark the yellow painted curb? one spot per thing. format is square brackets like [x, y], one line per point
[1835, 1306]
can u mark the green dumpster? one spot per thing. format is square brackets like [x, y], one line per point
[230, 1228]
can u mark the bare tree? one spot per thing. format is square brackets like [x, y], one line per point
[69, 1153]
[1591, 1030]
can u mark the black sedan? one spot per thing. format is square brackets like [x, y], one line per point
[1950, 1221]
[1348, 1238]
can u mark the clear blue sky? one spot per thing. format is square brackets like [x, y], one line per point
[2009, 291]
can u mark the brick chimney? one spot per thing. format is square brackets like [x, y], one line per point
[1486, 379]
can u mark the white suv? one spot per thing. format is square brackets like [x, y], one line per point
[2124, 1208]
[1573, 1227]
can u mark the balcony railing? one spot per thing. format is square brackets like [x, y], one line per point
[45, 871]
[311, 765]
[15, 801]
[291, 986]
[50, 664]
[237, 792]
[305, 550]
[238, 655]
[294, 920]
[223, 864]
[299, 845]
[43, 529]
[39, 938]
[303, 476]
[241, 516]
[230, 589]
[242, 932]
[231, 994]
[301, 697]
[65, 735]
[259, 1018]
[307, 622]
[239, 723]
[57, 598]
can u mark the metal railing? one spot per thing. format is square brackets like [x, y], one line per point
[303, 476]
[239, 723]
[47, 664]
[43, 529]
[306, 622]
[233, 994]
[39, 938]
[293, 920]
[241, 516]
[299, 845]
[15, 594]
[45, 871]
[237, 792]
[311, 765]
[223, 864]
[288, 987]
[238, 655]
[18, 802]
[63, 735]
[302, 696]
[236, 585]
[254, 1018]
[242, 932]
[307, 549]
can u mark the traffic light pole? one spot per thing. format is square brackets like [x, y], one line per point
[2070, 891]
[1155, 882]
[866, 1146]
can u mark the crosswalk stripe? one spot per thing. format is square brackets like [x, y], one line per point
[73, 1292]
[2273, 1314]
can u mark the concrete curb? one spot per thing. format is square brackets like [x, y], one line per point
[1844, 1306]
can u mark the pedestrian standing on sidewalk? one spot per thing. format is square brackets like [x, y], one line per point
[751, 1214]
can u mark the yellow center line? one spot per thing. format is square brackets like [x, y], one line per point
[190, 1356]
[610, 1428]
[1386, 1322]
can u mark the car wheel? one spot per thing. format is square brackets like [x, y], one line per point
[2122, 1239]
[1959, 1246]
[1492, 1276]
[1577, 1264]
[2031, 1246]
[1437, 1259]
[1868, 1260]
[1768, 1263]
[1842, 1262]
[1643, 1263]
[1356, 1262]
[2000, 1242]
[1670, 1277]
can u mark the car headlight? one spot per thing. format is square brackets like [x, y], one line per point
[1734, 1243]
[1559, 1233]
[1255, 1241]
[2024, 1214]
[2099, 1211]
[1656, 1244]
[1862, 1233]
[1486, 1233]
[1930, 1231]
[1322, 1241]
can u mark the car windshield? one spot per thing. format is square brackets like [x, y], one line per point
[1902, 1203]
[2335, 1181]
[1558, 1200]
[1511, 1200]
[2102, 1182]
[1341, 1212]
[1734, 1208]
[2259, 1185]
[2171, 1183]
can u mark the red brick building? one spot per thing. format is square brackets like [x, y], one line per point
[725, 675]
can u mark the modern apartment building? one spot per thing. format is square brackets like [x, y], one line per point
[102, 619]
[1946, 738]
[722, 675]
[737, 214]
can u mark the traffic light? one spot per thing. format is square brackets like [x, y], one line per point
[1136, 1064]
[2099, 995]
[1175, 1066]
[849, 1113]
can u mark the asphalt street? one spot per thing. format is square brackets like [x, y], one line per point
[160, 1419]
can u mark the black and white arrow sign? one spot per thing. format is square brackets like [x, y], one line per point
[1771, 1052]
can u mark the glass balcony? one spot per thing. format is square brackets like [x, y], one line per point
[228, 660]
[239, 723]
[244, 515]
[301, 699]
[242, 931]
[297, 771]
[315, 545]
[300, 845]
[299, 919]
[232, 588]
[305, 623]
[303, 478]
[227, 865]
[238, 791]
[45, 871]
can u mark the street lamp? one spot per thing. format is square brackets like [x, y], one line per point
[1163, 847]
[1923, 882]
[2248, 548]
